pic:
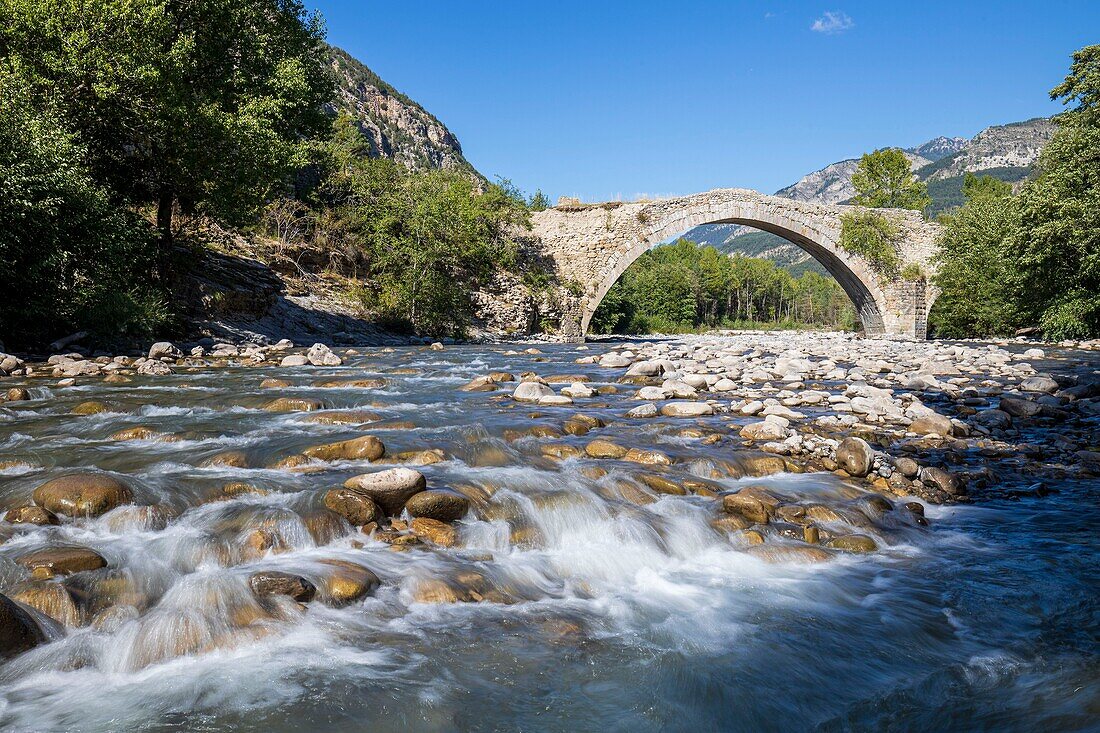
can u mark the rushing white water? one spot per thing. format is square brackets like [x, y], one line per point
[581, 607]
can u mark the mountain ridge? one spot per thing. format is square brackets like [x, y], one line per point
[1007, 152]
[397, 127]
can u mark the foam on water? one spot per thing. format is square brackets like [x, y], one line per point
[595, 612]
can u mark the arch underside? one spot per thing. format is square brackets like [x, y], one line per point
[870, 314]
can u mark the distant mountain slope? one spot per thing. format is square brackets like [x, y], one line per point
[1007, 152]
[833, 183]
[397, 126]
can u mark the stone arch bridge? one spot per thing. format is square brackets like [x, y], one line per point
[592, 244]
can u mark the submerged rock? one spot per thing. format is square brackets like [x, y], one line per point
[853, 543]
[31, 515]
[53, 561]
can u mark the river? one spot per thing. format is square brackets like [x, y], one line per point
[589, 606]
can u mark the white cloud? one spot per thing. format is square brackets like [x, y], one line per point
[832, 21]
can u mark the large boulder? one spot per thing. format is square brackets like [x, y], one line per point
[82, 494]
[531, 392]
[764, 430]
[19, 631]
[353, 505]
[162, 349]
[442, 506]
[321, 355]
[686, 409]
[855, 456]
[154, 368]
[1020, 407]
[942, 480]
[604, 449]
[278, 583]
[366, 448]
[931, 423]
[345, 582]
[1039, 383]
[389, 489]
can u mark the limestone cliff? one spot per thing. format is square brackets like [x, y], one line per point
[1004, 146]
[396, 126]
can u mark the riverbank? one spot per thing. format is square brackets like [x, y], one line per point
[642, 531]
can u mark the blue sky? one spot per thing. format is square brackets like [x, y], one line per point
[604, 100]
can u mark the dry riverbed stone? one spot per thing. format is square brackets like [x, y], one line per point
[855, 456]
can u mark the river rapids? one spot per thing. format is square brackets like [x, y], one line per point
[575, 594]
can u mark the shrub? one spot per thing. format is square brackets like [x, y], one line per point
[872, 236]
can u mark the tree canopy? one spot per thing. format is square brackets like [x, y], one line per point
[884, 179]
[200, 103]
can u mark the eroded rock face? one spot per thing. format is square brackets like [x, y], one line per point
[82, 494]
[390, 489]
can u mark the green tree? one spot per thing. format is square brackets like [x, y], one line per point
[874, 237]
[424, 241]
[975, 187]
[884, 179]
[69, 256]
[1058, 241]
[202, 104]
[538, 201]
[975, 269]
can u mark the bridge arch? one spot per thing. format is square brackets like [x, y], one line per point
[856, 278]
[593, 244]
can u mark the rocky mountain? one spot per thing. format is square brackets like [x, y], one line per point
[940, 147]
[1007, 152]
[1016, 145]
[396, 126]
[833, 183]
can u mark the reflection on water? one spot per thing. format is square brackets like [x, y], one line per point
[579, 595]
